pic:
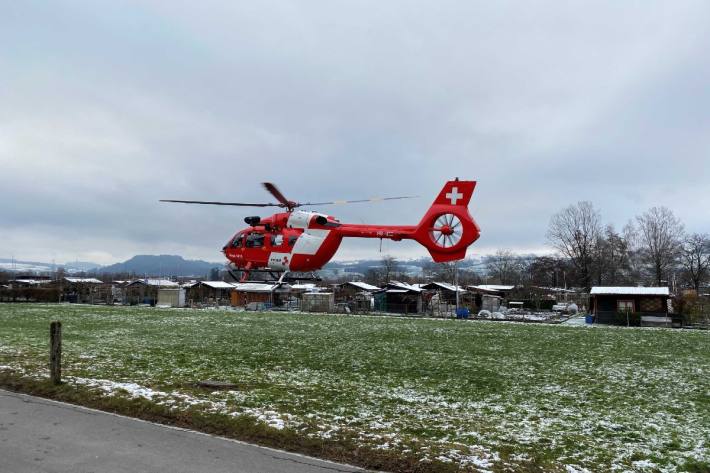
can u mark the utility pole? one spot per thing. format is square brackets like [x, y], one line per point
[456, 284]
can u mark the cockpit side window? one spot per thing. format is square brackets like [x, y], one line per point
[255, 240]
[238, 241]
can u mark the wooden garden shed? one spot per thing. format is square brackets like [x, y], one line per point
[630, 305]
[209, 292]
[248, 292]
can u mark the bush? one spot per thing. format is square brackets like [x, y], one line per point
[694, 309]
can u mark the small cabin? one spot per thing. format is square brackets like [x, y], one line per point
[489, 296]
[145, 291]
[85, 290]
[447, 292]
[171, 297]
[214, 293]
[399, 297]
[247, 293]
[648, 306]
[348, 291]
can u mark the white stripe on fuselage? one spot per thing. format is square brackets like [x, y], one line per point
[310, 241]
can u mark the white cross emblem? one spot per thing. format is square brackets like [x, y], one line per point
[454, 195]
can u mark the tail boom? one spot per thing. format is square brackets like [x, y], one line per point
[446, 230]
[391, 232]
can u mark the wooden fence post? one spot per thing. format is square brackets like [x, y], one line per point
[55, 352]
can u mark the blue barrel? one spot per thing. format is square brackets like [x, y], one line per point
[589, 318]
[462, 313]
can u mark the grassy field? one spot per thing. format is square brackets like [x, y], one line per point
[472, 395]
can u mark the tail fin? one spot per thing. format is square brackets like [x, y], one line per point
[447, 228]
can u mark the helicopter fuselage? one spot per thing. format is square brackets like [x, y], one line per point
[299, 241]
[303, 241]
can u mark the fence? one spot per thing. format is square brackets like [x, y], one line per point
[29, 294]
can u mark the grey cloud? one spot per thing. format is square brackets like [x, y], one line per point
[106, 109]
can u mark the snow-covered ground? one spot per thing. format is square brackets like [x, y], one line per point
[483, 395]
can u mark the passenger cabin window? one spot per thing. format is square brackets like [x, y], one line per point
[292, 240]
[255, 240]
[277, 240]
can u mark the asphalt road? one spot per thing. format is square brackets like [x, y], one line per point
[38, 435]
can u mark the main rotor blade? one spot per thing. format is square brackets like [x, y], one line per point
[285, 203]
[279, 196]
[237, 204]
[358, 201]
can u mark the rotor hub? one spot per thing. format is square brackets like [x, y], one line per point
[446, 231]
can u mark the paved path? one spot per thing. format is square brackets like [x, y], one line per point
[38, 435]
[576, 320]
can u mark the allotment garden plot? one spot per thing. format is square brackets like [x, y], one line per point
[482, 395]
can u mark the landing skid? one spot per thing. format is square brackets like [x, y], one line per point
[273, 277]
[288, 276]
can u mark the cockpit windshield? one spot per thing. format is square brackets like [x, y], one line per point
[238, 240]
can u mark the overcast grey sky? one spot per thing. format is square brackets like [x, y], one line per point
[106, 107]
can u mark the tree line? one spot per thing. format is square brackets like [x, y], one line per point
[651, 249]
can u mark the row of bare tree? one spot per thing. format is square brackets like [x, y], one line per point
[653, 248]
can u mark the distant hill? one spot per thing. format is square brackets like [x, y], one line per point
[19, 266]
[161, 265]
[174, 265]
[76, 266]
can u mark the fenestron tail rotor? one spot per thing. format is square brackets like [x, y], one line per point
[446, 231]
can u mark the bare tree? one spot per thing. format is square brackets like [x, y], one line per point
[373, 276]
[575, 232]
[503, 266]
[660, 234]
[548, 271]
[446, 272]
[630, 234]
[429, 270]
[390, 267]
[695, 258]
[612, 257]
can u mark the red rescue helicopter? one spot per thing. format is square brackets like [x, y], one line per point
[304, 241]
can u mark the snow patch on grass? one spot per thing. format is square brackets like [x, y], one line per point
[469, 392]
